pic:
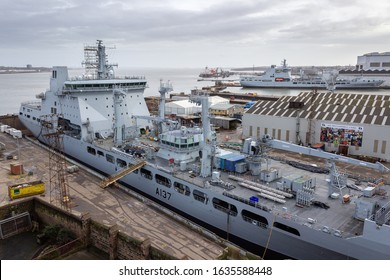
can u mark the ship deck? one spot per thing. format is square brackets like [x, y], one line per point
[339, 216]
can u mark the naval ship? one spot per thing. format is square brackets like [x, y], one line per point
[243, 196]
[281, 77]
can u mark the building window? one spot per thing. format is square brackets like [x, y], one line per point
[375, 64]
[385, 64]
[265, 130]
[288, 135]
[383, 150]
[375, 146]
[258, 132]
[273, 132]
[279, 134]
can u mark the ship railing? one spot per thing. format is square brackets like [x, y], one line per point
[100, 88]
[252, 221]
[312, 223]
[246, 201]
[194, 180]
[32, 104]
[90, 77]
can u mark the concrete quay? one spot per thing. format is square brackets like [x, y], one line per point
[111, 206]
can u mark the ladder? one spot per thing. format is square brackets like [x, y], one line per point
[115, 177]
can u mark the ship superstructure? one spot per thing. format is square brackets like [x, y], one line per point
[106, 125]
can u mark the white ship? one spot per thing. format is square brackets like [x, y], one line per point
[281, 77]
[105, 124]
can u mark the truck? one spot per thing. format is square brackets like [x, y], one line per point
[26, 189]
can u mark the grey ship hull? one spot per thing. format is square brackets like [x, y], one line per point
[310, 244]
[309, 84]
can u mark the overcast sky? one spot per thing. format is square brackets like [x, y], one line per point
[193, 33]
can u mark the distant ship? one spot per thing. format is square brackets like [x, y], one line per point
[281, 77]
[105, 124]
[214, 73]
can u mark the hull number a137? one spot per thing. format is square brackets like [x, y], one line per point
[163, 193]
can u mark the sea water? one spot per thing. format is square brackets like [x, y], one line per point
[22, 87]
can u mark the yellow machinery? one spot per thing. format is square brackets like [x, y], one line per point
[26, 189]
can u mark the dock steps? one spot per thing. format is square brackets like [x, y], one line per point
[123, 172]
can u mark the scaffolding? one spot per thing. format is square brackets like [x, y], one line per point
[58, 181]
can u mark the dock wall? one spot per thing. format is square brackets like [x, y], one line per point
[106, 239]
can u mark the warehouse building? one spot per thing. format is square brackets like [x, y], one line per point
[186, 107]
[345, 123]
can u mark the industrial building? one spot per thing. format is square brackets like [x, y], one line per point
[346, 123]
[373, 61]
[185, 107]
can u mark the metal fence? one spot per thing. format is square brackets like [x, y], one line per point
[15, 224]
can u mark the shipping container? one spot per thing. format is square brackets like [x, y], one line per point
[26, 189]
[230, 162]
[221, 160]
[217, 158]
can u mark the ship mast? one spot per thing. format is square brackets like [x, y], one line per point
[208, 144]
[96, 63]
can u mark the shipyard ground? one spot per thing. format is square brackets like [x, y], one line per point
[110, 206]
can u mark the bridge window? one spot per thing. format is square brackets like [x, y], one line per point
[121, 162]
[146, 173]
[181, 188]
[200, 196]
[163, 180]
[287, 228]
[100, 153]
[110, 158]
[91, 150]
[224, 206]
[254, 219]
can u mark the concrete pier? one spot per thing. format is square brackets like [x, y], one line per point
[119, 212]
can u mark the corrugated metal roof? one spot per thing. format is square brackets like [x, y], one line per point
[341, 107]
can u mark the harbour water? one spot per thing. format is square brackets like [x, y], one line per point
[17, 88]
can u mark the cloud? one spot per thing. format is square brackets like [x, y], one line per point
[215, 29]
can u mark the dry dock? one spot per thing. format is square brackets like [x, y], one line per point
[110, 206]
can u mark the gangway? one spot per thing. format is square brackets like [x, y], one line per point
[123, 172]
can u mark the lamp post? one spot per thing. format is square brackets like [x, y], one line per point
[17, 144]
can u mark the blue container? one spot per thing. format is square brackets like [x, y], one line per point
[230, 163]
[222, 160]
[254, 199]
